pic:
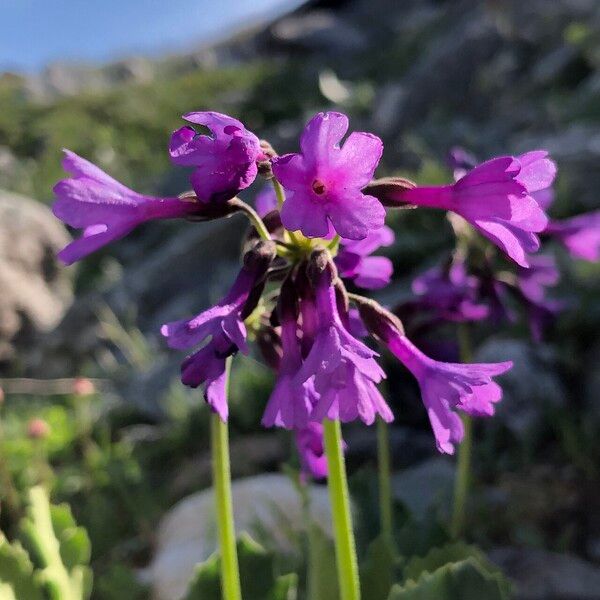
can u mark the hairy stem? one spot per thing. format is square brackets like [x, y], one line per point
[345, 549]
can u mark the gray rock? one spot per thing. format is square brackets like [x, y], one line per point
[319, 30]
[36, 292]
[542, 575]
[187, 534]
[426, 486]
[531, 386]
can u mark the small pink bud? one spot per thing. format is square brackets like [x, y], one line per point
[82, 386]
[38, 429]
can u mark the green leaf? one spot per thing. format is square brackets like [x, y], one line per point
[59, 549]
[120, 583]
[377, 573]
[450, 553]
[286, 588]
[17, 573]
[322, 571]
[464, 580]
[257, 575]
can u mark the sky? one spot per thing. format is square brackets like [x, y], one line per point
[36, 32]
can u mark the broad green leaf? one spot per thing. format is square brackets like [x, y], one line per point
[464, 580]
[257, 575]
[450, 553]
[377, 573]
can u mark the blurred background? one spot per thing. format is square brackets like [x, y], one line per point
[90, 401]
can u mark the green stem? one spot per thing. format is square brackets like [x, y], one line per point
[463, 469]
[253, 217]
[230, 576]
[345, 549]
[385, 487]
[278, 192]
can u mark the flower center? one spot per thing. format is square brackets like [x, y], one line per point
[318, 187]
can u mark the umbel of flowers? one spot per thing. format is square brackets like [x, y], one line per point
[317, 229]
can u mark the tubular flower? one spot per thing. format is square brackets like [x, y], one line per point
[354, 260]
[580, 235]
[291, 402]
[448, 387]
[225, 161]
[341, 367]
[105, 209]
[495, 200]
[445, 387]
[324, 181]
[224, 325]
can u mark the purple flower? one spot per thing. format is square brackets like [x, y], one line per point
[537, 175]
[532, 284]
[224, 325]
[208, 366]
[494, 197]
[324, 181]
[266, 201]
[580, 235]
[354, 261]
[309, 441]
[225, 162]
[291, 402]
[449, 387]
[342, 368]
[451, 293]
[105, 209]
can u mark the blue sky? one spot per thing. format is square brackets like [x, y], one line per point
[35, 32]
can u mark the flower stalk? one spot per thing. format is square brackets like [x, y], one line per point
[345, 548]
[230, 576]
[463, 468]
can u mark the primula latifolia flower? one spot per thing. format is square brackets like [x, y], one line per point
[341, 367]
[225, 162]
[105, 209]
[532, 284]
[224, 325]
[445, 387]
[324, 181]
[311, 449]
[451, 292]
[354, 260]
[495, 198]
[580, 235]
[291, 402]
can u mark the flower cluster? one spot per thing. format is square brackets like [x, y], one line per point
[473, 286]
[323, 220]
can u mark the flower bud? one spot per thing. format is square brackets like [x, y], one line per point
[82, 386]
[38, 429]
